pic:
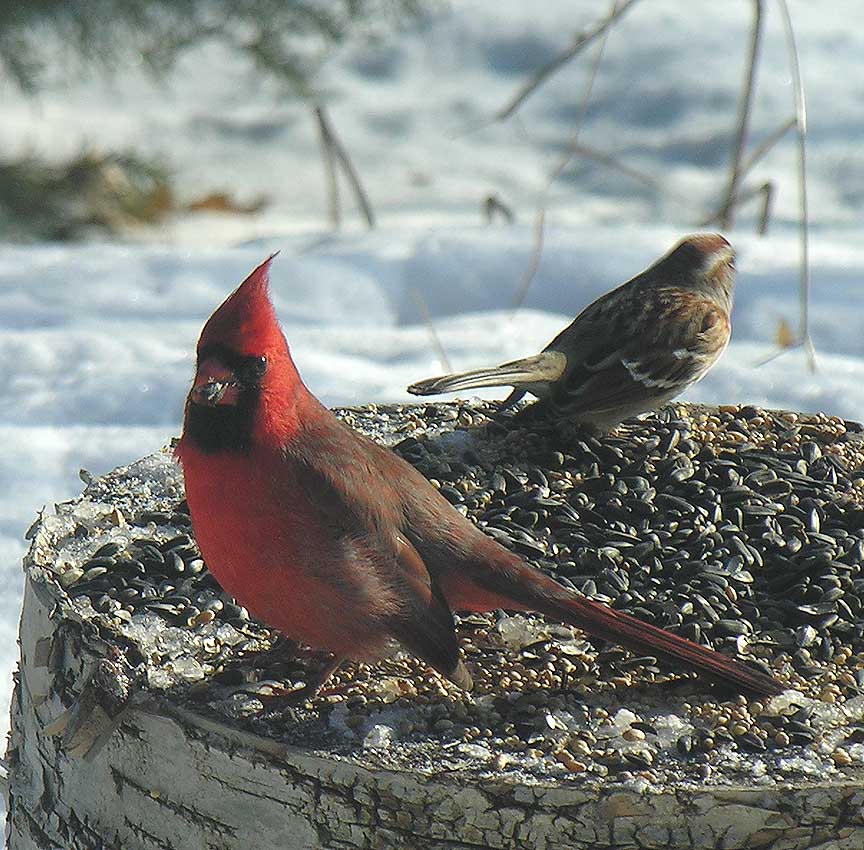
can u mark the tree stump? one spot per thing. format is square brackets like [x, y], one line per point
[144, 712]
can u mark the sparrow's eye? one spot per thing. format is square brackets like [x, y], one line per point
[709, 321]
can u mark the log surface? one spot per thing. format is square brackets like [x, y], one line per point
[125, 733]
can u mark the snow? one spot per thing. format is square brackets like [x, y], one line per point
[97, 340]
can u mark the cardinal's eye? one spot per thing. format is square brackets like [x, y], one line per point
[251, 370]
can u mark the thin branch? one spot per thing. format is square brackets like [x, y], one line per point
[727, 210]
[804, 220]
[804, 341]
[765, 146]
[493, 207]
[770, 358]
[423, 307]
[615, 164]
[765, 191]
[334, 211]
[534, 261]
[775, 355]
[542, 74]
[540, 219]
[344, 160]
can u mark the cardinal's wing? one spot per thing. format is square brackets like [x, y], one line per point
[357, 499]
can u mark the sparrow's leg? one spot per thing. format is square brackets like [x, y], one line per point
[511, 400]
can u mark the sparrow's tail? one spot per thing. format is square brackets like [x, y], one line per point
[534, 591]
[529, 372]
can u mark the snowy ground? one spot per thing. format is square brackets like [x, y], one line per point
[97, 340]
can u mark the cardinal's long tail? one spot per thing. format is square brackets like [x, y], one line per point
[532, 590]
[540, 369]
[599, 620]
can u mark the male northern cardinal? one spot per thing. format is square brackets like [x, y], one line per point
[631, 350]
[339, 543]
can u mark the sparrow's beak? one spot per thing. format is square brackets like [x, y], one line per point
[725, 257]
[214, 384]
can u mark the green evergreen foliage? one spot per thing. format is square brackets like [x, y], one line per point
[284, 38]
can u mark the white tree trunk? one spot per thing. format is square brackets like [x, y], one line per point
[167, 778]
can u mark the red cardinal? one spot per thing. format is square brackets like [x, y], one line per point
[338, 542]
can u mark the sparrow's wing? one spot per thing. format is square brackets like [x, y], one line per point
[380, 567]
[626, 353]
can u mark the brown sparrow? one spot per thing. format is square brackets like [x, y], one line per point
[631, 350]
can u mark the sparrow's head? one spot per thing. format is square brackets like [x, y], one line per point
[704, 261]
[245, 380]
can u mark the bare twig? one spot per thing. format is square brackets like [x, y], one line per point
[344, 160]
[542, 74]
[726, 213]
[534, 260]
[766, 189]
[770, 358]
[804, 220]
[494, 207]
[765, 146]
[765, 192]
[540, 218]
[615, 164]
[423, 308]
[334, 211]
[804, 340]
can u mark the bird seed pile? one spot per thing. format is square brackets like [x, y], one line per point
[737, 527]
